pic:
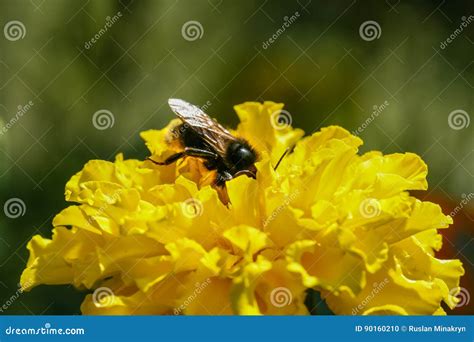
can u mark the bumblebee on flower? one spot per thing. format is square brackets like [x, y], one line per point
[127, 230]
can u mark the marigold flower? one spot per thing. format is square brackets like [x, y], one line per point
[149, 239]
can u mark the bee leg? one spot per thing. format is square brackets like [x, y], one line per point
[171, 159]
[188, 151]
[220, 187]
[248, 173]
[210, 164]
[222, 177]
[222, 194]
[200, 153]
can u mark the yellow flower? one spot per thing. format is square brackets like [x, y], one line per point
[149, 239]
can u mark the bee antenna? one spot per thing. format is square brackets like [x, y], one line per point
[282, 156]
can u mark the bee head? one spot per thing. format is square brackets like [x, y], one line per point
[241, 155]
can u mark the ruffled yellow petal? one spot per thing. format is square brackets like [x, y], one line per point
[211, 297]
[114, 299]
[246, 240]
[69, 257]
[388, 175]
[413, 280]
[279, 292]
[242, 292]
[325, 267]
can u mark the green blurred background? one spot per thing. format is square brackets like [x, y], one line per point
[320, 67]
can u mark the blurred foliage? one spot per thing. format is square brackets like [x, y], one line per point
[319, 67]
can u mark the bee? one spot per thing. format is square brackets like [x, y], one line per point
[202, 137]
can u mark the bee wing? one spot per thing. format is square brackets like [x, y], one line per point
[209, 129]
